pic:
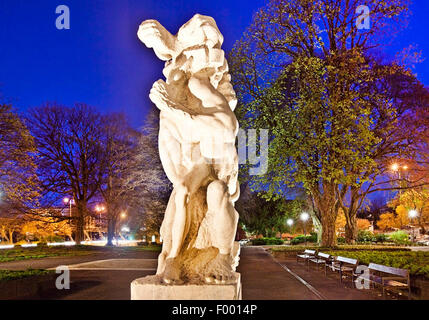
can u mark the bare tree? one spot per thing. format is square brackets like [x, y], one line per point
[68, 156]
[133, 177]
[122, 176]
[156, 187]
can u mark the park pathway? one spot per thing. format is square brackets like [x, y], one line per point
[263, 278]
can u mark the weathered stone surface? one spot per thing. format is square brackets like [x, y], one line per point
[152, 288]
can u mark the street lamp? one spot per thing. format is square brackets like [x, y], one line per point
[100, 209]
[304, 217]
[69, 201]
[123, 215]
[396, 168]
[289, 222]
[413, 214]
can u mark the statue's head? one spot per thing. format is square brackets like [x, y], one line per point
[200, 30]
[200, 51]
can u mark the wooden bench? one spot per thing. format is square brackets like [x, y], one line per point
[306, 255]
[389, 278]
[321, 260]
[344, 266]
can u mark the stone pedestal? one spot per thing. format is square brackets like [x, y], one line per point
[150, 288]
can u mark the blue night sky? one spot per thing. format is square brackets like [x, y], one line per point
[100, 60]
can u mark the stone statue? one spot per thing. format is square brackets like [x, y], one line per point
[197, 149]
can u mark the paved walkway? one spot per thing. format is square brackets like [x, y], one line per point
[263, 278]
[328, 287]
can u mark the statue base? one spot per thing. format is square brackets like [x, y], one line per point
[150, 288]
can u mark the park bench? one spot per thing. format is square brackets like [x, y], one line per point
[320, 260]
[389, 278]
[306, 255]
[344, 266]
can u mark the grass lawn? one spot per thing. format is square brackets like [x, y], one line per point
[16, 254]
[346, 247]
[417, 262]
[7, 275]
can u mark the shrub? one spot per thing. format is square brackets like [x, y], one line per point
[415, 261]
[266, 241]
[341, 240]
[54, 239]
[301, 239]
[381, 237]
[399, 237]
[365, 236]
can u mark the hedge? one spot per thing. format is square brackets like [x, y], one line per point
[346, 247]
[302, 239]
[266, 241]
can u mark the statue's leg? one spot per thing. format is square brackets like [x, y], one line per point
[225, 220]
[166, 233]
[191, 182]
[178, 227]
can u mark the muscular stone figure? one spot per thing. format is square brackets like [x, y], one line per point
[197, 149]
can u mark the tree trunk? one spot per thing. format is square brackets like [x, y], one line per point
[80, 222]
[325, 204]
[79, 236]
[329, 238]
[70, 235]
[421, 224]
[351, 229]
[318, 227]
[111, 227]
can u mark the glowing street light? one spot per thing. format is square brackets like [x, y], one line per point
[123, 215]
[394, 167]
[413, 214]
[289, 222]
[304, 217]
[397, 168]
[69, 201]
[100, 209]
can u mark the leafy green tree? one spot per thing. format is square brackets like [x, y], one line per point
[260, 216]
[304, 71]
